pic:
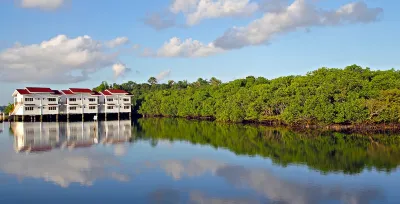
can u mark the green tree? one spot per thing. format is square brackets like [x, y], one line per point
[214, 81]
[9, 108]
[152, 80]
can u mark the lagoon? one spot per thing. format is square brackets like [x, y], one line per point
[163, 160]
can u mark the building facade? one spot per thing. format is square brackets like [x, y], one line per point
[33, 101]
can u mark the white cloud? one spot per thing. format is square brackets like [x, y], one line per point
[188, 48]
[58, 60]
[198, 10]
[162, 75]
[183, 5]
[117, 42]
[42, 4]
[278, 19]
[119, 69]
[300, 14]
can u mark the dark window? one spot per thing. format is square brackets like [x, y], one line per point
[29, 108]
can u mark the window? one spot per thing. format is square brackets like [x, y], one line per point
[126, 107]
[92, 99]
[72, 99]
[110, 99]
[110, 107]
[72, 108]
[52, 108]
[29, 108]
[28, 99]
[92, 107]
[52, 99]
[126, 99]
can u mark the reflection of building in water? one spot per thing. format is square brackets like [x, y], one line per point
[36, 137]
[115, 131]
[80, 134]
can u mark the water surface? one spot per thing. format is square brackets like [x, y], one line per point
[181, 161]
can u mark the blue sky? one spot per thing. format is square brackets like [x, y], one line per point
[229, 39]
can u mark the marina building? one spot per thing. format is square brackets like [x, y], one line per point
[37, 104]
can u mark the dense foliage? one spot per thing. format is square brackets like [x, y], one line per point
[325, 96]
[323, 151]
[8, 108]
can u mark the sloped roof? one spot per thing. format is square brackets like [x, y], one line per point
[67, 92]
[39, 90]
[80, 90]
[22, 91]
[106, 93]
[117, 91]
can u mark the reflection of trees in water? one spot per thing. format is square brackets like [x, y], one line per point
[326, 152]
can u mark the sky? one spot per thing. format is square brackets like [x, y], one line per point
[73, 43]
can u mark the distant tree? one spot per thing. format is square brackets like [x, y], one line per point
[103, 86]
[182, 84]
[116, 86]
[215, 82]
[261, 80]
[171, 83]
[152, 81]
[9, 108]
[200, 82]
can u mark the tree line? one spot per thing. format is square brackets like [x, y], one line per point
[353, 95]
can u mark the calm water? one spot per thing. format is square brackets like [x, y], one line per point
[180, 161]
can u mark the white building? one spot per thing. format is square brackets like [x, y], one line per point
[36, 101]
[115, 101]
[33, 101]
[79, 101]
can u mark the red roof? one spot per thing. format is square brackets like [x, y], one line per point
[67, 92]
[80, 90]
[23, 91]
[39, 90]
[106, 93]
[57, 92]
[117, 91]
